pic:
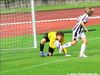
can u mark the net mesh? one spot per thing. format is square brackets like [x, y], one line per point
[15, 26]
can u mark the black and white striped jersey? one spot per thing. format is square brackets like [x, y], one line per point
[83, 18]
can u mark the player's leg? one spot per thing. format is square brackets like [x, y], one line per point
[50, 52]
[74, 40]
[83, 46]
[43, 41]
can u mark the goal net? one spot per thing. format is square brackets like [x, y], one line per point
[15, 24]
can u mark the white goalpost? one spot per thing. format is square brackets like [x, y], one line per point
[17, 24]
[34, 23]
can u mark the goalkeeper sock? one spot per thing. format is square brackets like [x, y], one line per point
[41, 47]
[67, 45]
[83, 47]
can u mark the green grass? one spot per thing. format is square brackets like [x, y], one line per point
[68, 6]
[51, 7]
[28, 62]
[14, 10]
[16, 42]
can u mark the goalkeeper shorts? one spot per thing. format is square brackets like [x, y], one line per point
[46, 37]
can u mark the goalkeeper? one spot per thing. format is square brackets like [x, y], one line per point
[51, 37]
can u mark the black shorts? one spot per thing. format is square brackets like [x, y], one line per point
[51, 50]
[46, 37]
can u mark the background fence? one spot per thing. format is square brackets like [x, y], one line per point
[26, 3]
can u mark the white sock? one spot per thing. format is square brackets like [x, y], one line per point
[67, 45]
[83, 46]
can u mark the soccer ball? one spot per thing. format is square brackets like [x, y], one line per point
[57, 44]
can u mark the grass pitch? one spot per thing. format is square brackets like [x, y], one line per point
[26, 61]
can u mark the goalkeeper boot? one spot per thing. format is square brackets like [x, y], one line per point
[42, 53]
[46, 54]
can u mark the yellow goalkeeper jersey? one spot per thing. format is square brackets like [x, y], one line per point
[52, 38]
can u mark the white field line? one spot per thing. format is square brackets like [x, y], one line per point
[16, 49]
[39, 65]
[45, 21]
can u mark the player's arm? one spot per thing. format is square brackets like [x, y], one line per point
[82, 23]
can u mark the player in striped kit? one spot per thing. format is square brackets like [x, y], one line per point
[78, 31]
